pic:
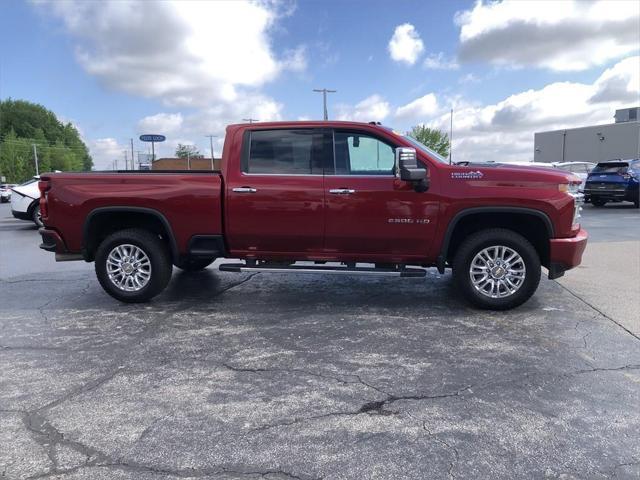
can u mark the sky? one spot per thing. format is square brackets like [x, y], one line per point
[186, 69]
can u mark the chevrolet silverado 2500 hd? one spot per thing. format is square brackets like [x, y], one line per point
[320, 193]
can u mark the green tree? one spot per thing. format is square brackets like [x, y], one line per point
[435, 139]
[184, 151]
[24, 124]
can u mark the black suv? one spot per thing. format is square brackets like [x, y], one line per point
[613, 181]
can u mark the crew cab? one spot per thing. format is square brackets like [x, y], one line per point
[320, 197]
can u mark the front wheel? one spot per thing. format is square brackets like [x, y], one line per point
[133, 265]
[497, 269]
[597, 202]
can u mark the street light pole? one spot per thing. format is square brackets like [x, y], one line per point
[211, 143]
[324, 99]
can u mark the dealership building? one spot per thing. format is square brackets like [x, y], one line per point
[598, 143]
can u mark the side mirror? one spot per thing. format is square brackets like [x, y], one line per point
[410, 171]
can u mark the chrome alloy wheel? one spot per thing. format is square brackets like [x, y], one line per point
[497, 271]
[128, 267]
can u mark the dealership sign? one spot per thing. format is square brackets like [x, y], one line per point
[152, 138]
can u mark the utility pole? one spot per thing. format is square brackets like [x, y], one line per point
[126, 160]
[133, 165]
[35, 157]
[451, 136]
[211, 143]
[324, 99]
[188, 160]
[250, 120]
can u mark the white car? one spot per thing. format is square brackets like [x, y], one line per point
[25, 201]
[5, 192]
[579, 169]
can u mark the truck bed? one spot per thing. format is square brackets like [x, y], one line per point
[190, 201]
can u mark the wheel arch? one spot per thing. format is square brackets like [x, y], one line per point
[102, 221]
[534, 224]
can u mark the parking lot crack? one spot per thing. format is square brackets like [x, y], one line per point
[305, 372]
[376, 407]
[235, 284]
[87, 387]
[598, 310]
[50, 437]
[452, 449]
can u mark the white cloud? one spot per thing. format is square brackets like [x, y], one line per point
[420, 108]
[504, 131]
[161, 123]
[192, 128]
[105, 152]
[438, 61]
[405, 44]
[373, 108]
[186, 53]
[562, 35]
[295, 59]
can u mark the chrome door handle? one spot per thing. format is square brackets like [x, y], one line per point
[342, 191]
[245, 190]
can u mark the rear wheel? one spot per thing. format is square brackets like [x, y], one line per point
[597, 202]
[133, 265]
[497, 269]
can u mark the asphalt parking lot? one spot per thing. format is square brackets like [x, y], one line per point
[229, 376]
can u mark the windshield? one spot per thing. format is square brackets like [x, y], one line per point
[425, 149]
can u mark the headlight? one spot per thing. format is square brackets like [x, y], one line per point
[573, 189]
[570, 188]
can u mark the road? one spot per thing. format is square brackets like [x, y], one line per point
[230, 376]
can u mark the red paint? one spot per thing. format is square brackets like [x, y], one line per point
[296, 218]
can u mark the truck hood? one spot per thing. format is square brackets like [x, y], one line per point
[504, 171]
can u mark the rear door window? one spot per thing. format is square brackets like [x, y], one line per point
[284, 152]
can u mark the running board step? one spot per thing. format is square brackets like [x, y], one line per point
[405, 272]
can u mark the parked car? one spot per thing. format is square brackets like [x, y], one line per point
[5, 192]
[320, 192]
[25, 203]
[614, 181]
[579, 169]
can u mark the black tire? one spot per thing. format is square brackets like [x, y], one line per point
[597, 202]
[496, 237]
[195, 264]
[158, 255]
[35, 216]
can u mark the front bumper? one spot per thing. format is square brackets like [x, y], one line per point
[566, 253]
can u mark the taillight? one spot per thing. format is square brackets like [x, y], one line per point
[44, 186]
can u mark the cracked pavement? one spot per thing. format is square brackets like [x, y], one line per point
[234, 376]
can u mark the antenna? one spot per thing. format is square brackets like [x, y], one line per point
[451, 136]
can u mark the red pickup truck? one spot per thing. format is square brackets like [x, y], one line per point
[321, 197]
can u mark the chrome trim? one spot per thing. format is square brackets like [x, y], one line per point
[245, 190]
[342, 191]
[407, 272]
[497, 271]
[128, 267]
